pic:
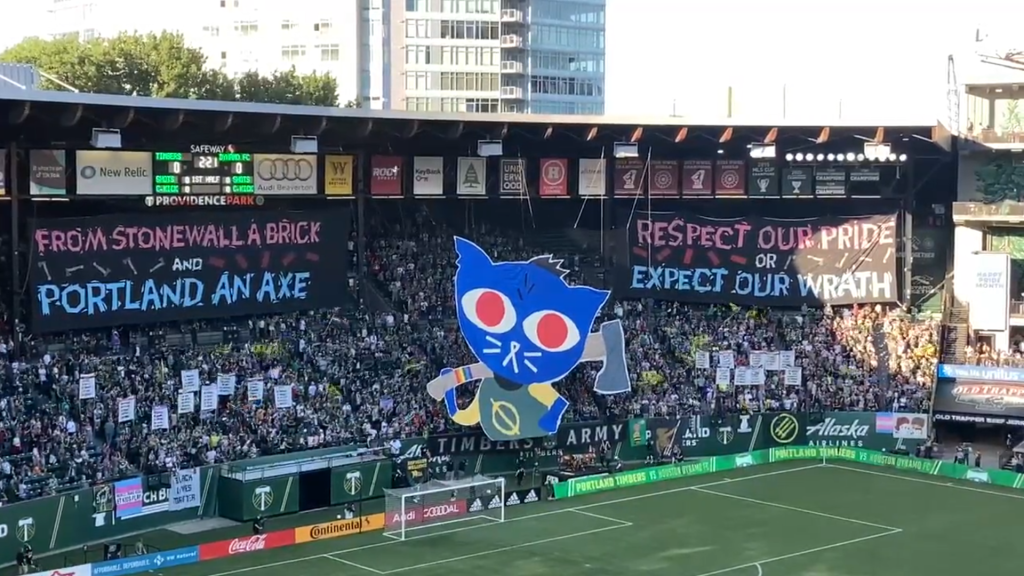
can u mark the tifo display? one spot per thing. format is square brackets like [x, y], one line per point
[104, 271]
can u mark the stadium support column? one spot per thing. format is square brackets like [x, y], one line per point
[361, 192]
[607, 218]
[908, 234]
[12, 184]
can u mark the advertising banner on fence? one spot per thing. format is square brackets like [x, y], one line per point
[114, 172]
[80, 570]
[47, 173]
[286, 173]
[386, 175]
[246, 544]
[428, 176]
[761, 261]
[979, 394]
[554, 178]
[338, 528]
[114, 270]
[874, 430]
[339, 174]
[989, 289]
[147, 563]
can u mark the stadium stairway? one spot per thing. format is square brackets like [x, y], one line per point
[883, 371]
[955, 332]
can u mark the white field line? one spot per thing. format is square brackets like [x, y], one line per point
[600, 517]
[923, 481]
[354, 565]
[518, 518]
[504, 549]
[802, 553]
[795, 509]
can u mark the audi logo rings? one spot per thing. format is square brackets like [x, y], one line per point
[289, 169]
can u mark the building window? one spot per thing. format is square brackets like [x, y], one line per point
[289, 25]
[329, 52]
[213, 31]
[417, 29]
[417, 6]
[469, 30]
[292, 52]
[323, 26]
[417, 81]
[417, 104]
[417, 54]
[469, 82]
[250, 28]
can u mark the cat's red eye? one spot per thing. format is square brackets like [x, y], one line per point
[551, 330]
[489, 310]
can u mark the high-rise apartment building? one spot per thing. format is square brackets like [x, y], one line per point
[515, 56]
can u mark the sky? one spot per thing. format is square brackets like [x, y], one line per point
[785, 59]
[836, 60]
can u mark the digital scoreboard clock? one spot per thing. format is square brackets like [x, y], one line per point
[206, 172]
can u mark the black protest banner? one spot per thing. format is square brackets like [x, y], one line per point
[142, 268]
[761, 261]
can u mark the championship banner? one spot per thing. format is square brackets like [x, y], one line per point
[113, 172]
[664, 180]
[697, 177]
[592, 177]
[428, 176]
[554, 178]
[979, 394]
[762, 261]
[830, 182]
[339, 174]
[797, 183]
[386, 176]
[629, 177]
[472, 177]
[286, 174]
[730, 178]
[763, 181]
[989, 291]
[513, 177]
[142, 268]
[47, 173]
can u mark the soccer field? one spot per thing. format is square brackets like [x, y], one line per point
[781, 519]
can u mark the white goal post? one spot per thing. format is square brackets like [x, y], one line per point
[443, 502]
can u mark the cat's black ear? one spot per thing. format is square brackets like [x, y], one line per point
[551, 264]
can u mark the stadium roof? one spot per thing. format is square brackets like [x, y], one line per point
[113, 111]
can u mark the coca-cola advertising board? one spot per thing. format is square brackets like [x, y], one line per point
[419, 514]
[386, 175]
[246, 544]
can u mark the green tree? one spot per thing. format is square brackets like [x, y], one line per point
[162, 66]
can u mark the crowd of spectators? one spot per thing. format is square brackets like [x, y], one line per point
[357, 375]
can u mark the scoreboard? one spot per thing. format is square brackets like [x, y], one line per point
[203, 173]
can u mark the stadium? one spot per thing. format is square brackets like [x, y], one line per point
[260, 339]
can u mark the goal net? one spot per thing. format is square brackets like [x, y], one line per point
[440, 502]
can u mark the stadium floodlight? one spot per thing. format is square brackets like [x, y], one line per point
[820, 157]
[877, 150]
[799, 156]
[831, 157]
[305, 145]
[903, 158]
[860, 157]
[487, 148]
[761, 151]
[438, 502]
[105, 138]
[789, 157]
[625, 150]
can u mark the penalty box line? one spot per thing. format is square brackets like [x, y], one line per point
[391, 542]
[503, 549]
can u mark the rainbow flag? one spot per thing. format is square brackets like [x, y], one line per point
[463, 375]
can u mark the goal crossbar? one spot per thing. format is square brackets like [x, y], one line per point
[440, 502]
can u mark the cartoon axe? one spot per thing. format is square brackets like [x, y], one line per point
[608, 345]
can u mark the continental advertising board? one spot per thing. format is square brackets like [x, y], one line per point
[979, 395]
